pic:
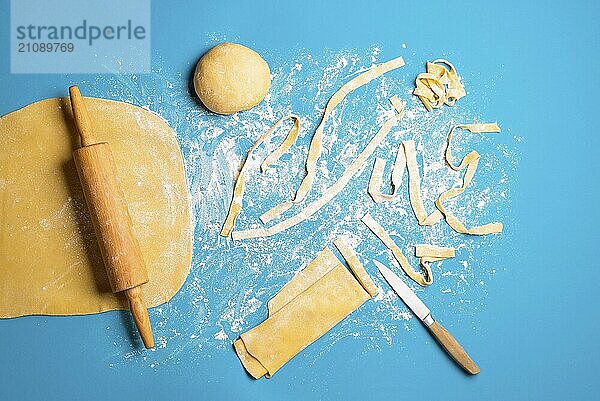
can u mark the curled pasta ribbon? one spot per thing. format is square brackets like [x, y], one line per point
[238, 190]
[469, 162]
[425, 278]
[428, 254]
[316, 144]
[333, 190]
[409, 160]
[405, 158]
[414, 187]
[357, 268]
[377, 177]
[439, 85]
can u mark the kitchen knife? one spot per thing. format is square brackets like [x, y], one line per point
[452, 347]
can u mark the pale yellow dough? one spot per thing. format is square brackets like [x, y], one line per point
[376, 180]
[314, 152]
[426, 253]
[49, 260]
[316, 143]
[439, 85]
[315, 300]
[406, 157]
[334, 189]
[469, 163]
[240, 183]
[231, 78]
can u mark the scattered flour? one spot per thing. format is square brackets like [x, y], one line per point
[230, 283]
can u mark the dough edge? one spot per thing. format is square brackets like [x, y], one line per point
[189, 228]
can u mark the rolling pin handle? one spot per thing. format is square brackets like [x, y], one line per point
[140, 315]
[80, 115]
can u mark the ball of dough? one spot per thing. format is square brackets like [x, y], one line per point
[231, 78]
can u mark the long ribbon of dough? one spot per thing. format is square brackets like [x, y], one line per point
[424, 278]
[238, 189]
[357, 268]
[469, 162]
[377, 177]
[414, 187]
[330, 192]
[426, 253]
[316, 144]
[405, 158]
[439, 85]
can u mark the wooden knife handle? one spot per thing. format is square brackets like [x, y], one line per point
[453, 348]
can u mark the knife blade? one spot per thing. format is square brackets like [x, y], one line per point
[443, 337]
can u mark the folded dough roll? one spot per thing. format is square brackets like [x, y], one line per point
[315, 300]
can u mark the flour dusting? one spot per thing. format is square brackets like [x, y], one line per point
[230, 282]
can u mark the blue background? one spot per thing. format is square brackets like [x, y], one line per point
[537, 336]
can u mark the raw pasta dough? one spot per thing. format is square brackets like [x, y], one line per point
[469, 163]
[439, 85]
[314, 152]
[406, 157]
[315, 300]
[316, 144]
[376, 179]
[334, 189]
[238, 190]
[231, 78]
[49, 260]
[426, 253]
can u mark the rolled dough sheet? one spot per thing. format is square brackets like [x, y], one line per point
[315, 300]
[50, 263]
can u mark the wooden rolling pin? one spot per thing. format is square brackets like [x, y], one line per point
[110, 217]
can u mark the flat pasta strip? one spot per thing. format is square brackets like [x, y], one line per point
[439, 85]
[424, 250]
[316, 144]
[414, 187]
[275, 211]
[357, 268]
[405, 158]
[376, 179]
[469, 162]
[428, 254]
[329, 193]
[238, 190]
[424, 278]
[313, 302]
